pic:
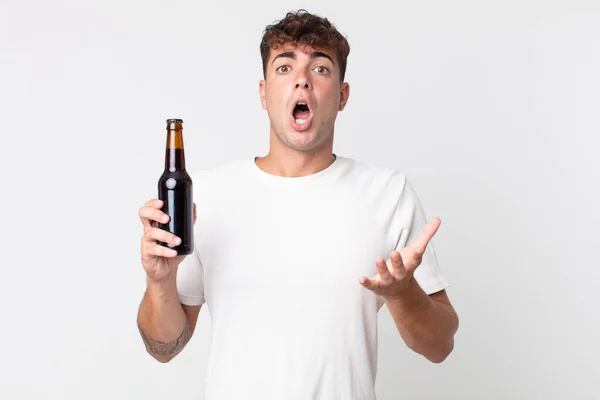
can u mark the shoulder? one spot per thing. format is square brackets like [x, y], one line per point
[376, 178]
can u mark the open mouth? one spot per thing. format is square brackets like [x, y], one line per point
[301, 117]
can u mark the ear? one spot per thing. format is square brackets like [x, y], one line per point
[344, 94]
[261, 89]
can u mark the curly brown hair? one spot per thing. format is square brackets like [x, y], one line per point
[303, 28]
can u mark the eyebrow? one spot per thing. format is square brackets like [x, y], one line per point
[292, 55]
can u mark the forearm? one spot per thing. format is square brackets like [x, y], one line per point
[426, 326]
[162, 322]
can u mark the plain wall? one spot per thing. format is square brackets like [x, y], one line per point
[489, 108]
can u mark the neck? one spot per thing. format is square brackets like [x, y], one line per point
[174, 157]
[287, 162]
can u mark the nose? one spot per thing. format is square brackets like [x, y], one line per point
[302, 81]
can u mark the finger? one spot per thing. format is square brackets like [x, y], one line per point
[396, 261]
[148, 215]
[384, 272]
[412, 255]
[160, 235]
[154, 203]
[195, 213]
[427, 233]
[150, 251]
[370, 284]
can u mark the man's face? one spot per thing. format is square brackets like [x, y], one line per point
[302, 94]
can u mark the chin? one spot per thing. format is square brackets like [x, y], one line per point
[303, 141]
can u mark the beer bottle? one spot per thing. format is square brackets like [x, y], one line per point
[175, 190]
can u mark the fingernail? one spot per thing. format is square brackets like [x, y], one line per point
[165, 218]
[177, 240]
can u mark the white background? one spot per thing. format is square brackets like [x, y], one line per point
[491, 108]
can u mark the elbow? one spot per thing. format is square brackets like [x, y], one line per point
[159, 357]
[441, 353]
[162, 360]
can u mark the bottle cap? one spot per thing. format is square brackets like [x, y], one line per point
[174, 123]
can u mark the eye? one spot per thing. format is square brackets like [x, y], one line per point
[321, 69]
[283, 69]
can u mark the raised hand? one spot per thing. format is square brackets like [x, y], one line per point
[158, 261]
[394, 276]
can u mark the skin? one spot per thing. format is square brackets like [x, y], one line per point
[304, 72]
[165, 325]
[426, 323]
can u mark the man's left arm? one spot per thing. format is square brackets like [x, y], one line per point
[426, 323]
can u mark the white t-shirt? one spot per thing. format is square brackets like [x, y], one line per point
[277, 262]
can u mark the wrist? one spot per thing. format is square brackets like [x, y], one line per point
[163, 287]
[411, 296]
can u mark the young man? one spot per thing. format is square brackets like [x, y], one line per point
[289, 245]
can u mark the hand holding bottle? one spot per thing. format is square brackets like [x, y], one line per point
[158, 261]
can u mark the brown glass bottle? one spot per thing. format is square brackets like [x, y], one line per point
[175, 190]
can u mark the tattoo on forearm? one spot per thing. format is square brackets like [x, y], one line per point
[169, 348]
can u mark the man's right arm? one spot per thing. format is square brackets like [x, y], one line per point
[164, 323]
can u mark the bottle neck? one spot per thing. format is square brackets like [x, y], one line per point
[174, 157]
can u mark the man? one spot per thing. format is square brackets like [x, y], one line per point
[288, 248]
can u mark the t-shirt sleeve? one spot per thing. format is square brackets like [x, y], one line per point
[410, 218]
[190, 281]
